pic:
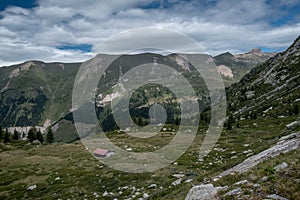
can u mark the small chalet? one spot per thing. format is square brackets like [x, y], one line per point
[101, 153]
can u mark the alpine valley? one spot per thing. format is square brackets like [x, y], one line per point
[256, 156]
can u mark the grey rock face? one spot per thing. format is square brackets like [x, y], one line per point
[285, 144]
[203, 192]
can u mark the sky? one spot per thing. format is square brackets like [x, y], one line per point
[70, 30]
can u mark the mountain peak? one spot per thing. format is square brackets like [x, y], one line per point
[256, 51]
[226, 54]
[296, 43]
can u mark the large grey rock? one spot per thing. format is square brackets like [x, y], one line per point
[276, 197]
[281, 166]
[203, 192]
[37, 142]
[293, 125]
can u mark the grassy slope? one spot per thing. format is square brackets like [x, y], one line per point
[81, 175]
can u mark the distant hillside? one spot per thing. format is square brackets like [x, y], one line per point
[234, 67]
[38, 93]
[35, 93]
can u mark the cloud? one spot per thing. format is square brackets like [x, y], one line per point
[14, 53]
[159, 40]
[218, 26]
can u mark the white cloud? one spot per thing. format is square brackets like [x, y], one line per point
[33, 52]
[217, 25]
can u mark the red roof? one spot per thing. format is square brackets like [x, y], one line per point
[101, 152]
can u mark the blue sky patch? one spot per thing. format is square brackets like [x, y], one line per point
[78, 47]
[24, 4]
[265, 49]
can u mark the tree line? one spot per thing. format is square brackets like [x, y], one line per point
[33, 134]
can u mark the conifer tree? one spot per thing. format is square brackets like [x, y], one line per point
[296, 109]
[50, 136]
[39, 136]
[6, 137]
[16, 135]
[31, 134]
[1, 133]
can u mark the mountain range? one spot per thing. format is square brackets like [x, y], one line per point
[35, 93]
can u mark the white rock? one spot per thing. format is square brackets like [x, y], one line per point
[241, 182]
[152, 186]
[188, 180]
[96, 194]
[137, 193]
[281, 166]
[265, 111]
[57, 178]
[177, 182]
[215, 179]
[124, 188]
[32, 187]
[277, 197]
[105, 194]
[233, 192]
[292, 125]
[265, 178]
[145, 196]
[178, 175]
[248, 151]
[37, 142]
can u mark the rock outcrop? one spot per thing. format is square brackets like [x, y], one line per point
[284, 145]
[203, 192]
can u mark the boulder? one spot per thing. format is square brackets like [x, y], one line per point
[281, 166]
[203, 192]
[37, 142]
[32, 187]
